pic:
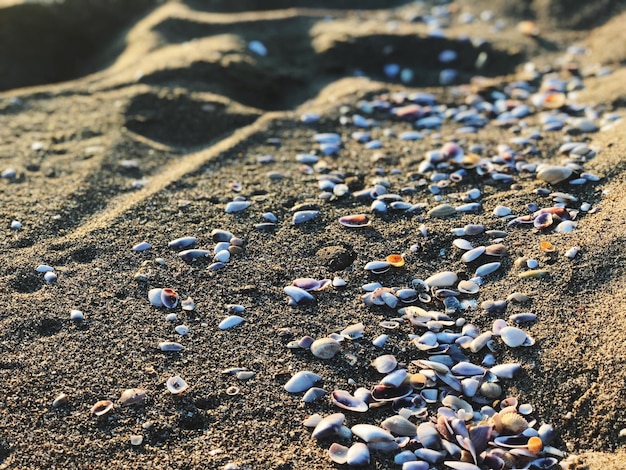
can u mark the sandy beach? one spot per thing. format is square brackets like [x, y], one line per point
[163, 120]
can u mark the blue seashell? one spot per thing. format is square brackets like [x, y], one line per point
[169, 346]
[327, 138]
[373, 144]
[306, 158]
[309, 118]
[143, 246]
[329, 149]
[361, 137]
[237, 206]
[411, 135]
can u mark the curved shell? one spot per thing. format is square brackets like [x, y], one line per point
[399, 426]
[486, 269]
[325, 348]
[170, 346]
[355, 221]
[102, 407]
[301, 217]
[513, 337]
[298, 295]
[345, 400]
[230, 321]
[313, 394]
[328, 426]
[154, 296]
[377, 267]
[472, 254]
[358, 455]
[169, 298]
[385, 364]
[442, 210]
[182, 242]
[302, 381]
[370, 433]
[468, 287]
[390, 393]
[176, 385]
[338, 453]
[192, 255]
[442, 279]
[133, 396]
[554, 174]
[513, 423]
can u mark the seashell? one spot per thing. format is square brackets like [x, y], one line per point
[525, 409]
[345, 400]
[462, 244]
[60, 400]
[442, 279]
[170, 346]
[385, 364]
[430, 455]
[428, 436]
[188, 304]
[76, 315]
[533, 273]
[404, 457]
[399, 426]
[513, 423]
[505, 371]
[522, 317]
[215, 266]
[237, 206]
[328, 426]
[372, 434]
[377, 267]
[480, 341]
[50, 277]
[472, 254]
[222, 256]
[468, 287]
[102, 407]
[490, 390]
[302, 381]
[395, 378]
[133, 396]
[442, 210]
[407, 295]
[467, 368]
[143, 246]
[502, 211]
[397, 261]
[244, 374]
[487, 269]
[353, 331]
[470, 386]
[309, 284]
[458, 465]
[355, 221]
[230, 321]
[358, 455]
[313, 394]
[534, 444]
[417, 465]
[338, 453]
[513, 337]
[301, 217]
[182, 242]
[380, 341]
[193, 255]
[572, 252]
[546, 433]
[554, 174]
[497, 249]
[325, 348]
[498, 325]
[298, 295]
[469, 207]
[390, 393]
[169, 298]
[219, 235]
[565, 226]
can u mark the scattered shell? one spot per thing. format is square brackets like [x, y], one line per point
[399, 426]
[193, 255]
[468, 287]
[325, 348]
[338, 453]
[301, 217]
[133, 396]
[143, 246]
[353, 331]
[229, 322]
[345, 400]
[514, 337]
[302, 381]
[136, 440]
[442, 210]
[442, 279]
[487, 269]
[182, 242]
[298, 295]
[176, 385]
[76, 315]
[385, 364]
[328, 426]
[355, 221]
[169, 298]
[397, 261]
[462, 244]
[358, 455]
[472, 254]
[60, 400]
[502, 211]
[313, 394]
[170, 346]
[380, 341]
[102, 407]
[554, 174]
[237, 206]
[50, 277]
[514, 423]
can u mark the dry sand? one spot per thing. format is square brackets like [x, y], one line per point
[179, 93]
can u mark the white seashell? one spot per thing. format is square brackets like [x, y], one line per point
[566, 226]
[462, 244]
[313, 394]
[525, 409]
[182, 242]
[553, 174]
[338, 453]
[505, 371]
[572, 252]
[399, 426]
[442, 279]
[16, 225]
[468, 287]
[77, 315]
[171, 317]
[358, 455]
[376, 438]
[176, 385]
[60, 400]
[380, 341]
[385, 364]
[395, 378]
[133, 396]
[237, 206]
[188, 304]
[170, 346]
[328, 426]
[298, 295]
[154, 295]
[143, 246]
[512, 336]
[502, 211]
[325, 348]
[345, 400]
[442, 210]
[136, 440]
[222, 256]
[486, 269]
[301, 217]
[230, 322]
[480, 341]
[50, 277]
[44, 268]
[302, 381]
[182, 330]
[472, 254]
[338, 282]
[353, 331]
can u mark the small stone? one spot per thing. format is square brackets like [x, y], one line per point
[336, 257]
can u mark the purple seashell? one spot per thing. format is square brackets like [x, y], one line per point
[345, 400]
[480, 436]
[417, 465]
[169, 298]
[543, 220]
[390, 393]
[192, 255]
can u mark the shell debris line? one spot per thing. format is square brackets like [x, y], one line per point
[361, 280]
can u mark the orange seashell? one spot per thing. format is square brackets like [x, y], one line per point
[528, 28]
[535, 445]
[553, 100]
[397, 261]
[547, 247]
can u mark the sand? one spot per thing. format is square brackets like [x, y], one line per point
[176, 91]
